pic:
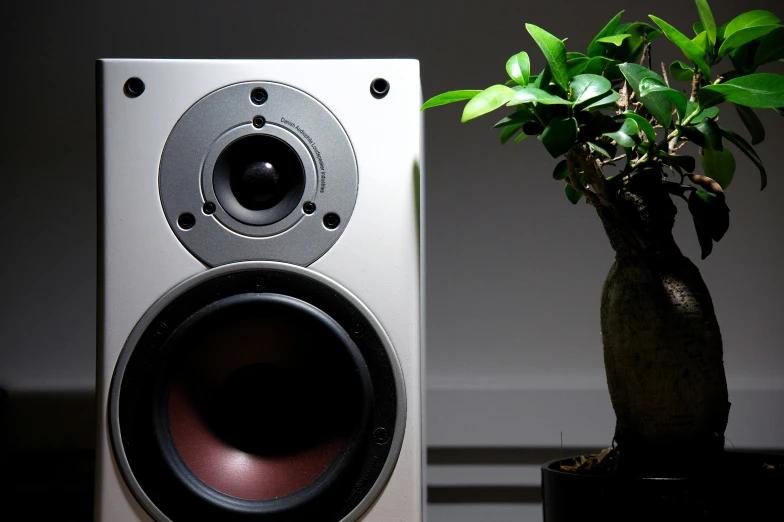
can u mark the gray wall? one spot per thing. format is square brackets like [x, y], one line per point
[514, 270]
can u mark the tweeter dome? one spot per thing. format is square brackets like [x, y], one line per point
[260, 286]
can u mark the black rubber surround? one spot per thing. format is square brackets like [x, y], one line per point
[152, 459]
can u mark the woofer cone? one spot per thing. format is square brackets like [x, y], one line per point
[250, 397]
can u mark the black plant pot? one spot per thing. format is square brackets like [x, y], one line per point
[743, 490]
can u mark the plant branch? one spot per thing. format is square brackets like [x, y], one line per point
[574, 181]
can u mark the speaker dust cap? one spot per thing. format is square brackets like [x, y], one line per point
[258, 171]
[257, 392]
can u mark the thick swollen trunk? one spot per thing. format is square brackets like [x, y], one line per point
[662, 345]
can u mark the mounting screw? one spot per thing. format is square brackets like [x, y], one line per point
[134, 87]
[379, 88]
[331, 220]
[309, 207]
[259, 122]
[381, 435]
[258, 96]
[186, 221]
[208, 208]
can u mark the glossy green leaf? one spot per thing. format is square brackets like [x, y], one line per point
[752, 123]
[519, 68]
[681, 71]
[606, 150]
[692, 51]
[748, 20]
[698, 28]
[701, 40]
[561, 170]
[748, 150]
[650, 85]
[585, 87]
[627, 135]
[719, 166]
[533, 128]
[763, 91]
[486, 101]
[744, 36]
[687, 163]
[544, 79]
[706, 17]
[643, 124]
[510, 131]
[706, 243]
[599, 64]
[449, 97]
[572, 194]
[595, 48]
[706, 134]
[711, 213]
[616, 39]
[523, 115]
[520, 137]
[554, 51]
[532, 94]
[576, 65]
[742, 58]
[559, 135]
[710, 112]
[631, 49]
[771, 47]
[657, 103]
[606, 101]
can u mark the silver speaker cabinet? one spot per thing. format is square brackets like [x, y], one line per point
[259, 344]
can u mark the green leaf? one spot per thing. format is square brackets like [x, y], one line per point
[519, 68]
[631, 49]
[559, 135]
[586, 87]
[744, 36]
[657, 103]
[532, 94]
[643, 124]
[606, 101]
[561, 170]
[698, 28]
[533, 128]
[719, 166]
[554, 51]
[605, 150]
[510, 131]
[486, 101]
[701, 40]
[752, 123]
[626, 136]
[572, 194]
[689, 48]
[523, 115]
[742, 58]
[616, 39]
[577, 65]
[520, 137]
[686, 163]
[710, 212]
[763, 91]
[681, 71]
[543, 80]
[743, 22]
[599, 64]
[706, 134]
[449, 97]
[650, 85]
[595, 48]
[748, 150]
[706, 243]
[706, 17]
[771, 47]
[711, 112]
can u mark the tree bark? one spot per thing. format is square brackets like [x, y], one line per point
[662, 345]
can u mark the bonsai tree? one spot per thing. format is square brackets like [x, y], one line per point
[619, 125]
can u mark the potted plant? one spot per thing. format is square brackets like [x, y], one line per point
[619, 125]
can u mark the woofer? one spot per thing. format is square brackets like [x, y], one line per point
[251, 392]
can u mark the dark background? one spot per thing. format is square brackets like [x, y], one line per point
[513, 270]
